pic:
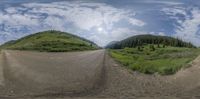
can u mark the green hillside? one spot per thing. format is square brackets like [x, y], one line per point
[151, 54]
[51, 41]
[141, 40]
[161, 60]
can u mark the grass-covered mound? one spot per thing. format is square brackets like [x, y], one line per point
[149, 59]
[51, 41]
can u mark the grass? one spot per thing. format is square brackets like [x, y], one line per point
[164, 61]
[51, 41]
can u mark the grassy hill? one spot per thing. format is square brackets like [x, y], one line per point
[50, 41]
[140, 40]
[151, 54]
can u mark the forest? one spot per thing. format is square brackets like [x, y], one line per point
[141, 40]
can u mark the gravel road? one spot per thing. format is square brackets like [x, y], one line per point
[42, 74]
[88, 75]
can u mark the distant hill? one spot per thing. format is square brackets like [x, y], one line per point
[111, 43]
[50, 41]
[140, 40]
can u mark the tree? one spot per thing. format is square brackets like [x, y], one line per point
[164, 45]
[160, 41]
[152, 48]
[140, 48]
[158, 45]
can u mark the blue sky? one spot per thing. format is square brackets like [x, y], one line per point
[101, 21]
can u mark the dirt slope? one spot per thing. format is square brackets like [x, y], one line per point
[113, 81]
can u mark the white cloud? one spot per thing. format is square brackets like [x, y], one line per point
[84, 15]
[188, 29]
[161, 33]
[115, 35]
[136, 22]
[163, 2]
[11, 10]
[81, 16]
[174, 11]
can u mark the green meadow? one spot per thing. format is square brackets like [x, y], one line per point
[151, 59]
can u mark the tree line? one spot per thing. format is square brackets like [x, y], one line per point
[141, 40]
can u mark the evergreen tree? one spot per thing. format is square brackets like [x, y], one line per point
[141, 40]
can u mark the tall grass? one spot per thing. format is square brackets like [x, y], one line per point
[164, 61]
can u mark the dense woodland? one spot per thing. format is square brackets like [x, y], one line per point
[140, 40]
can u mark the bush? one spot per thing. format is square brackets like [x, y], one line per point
[167, 70]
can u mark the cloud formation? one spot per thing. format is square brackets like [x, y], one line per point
[163, 2]
[81, 18]
[188, 20]
[102, 22]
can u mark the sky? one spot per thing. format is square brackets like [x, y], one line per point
[101, 21]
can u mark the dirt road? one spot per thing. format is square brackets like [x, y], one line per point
[88, 75]
[33, 73]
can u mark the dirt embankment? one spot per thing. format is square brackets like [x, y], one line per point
[102, 75]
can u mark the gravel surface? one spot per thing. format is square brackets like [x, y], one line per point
[88, 75]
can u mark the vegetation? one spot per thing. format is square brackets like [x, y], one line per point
[51, 41]
[153, 54]
[141, 40]
[151, 59]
